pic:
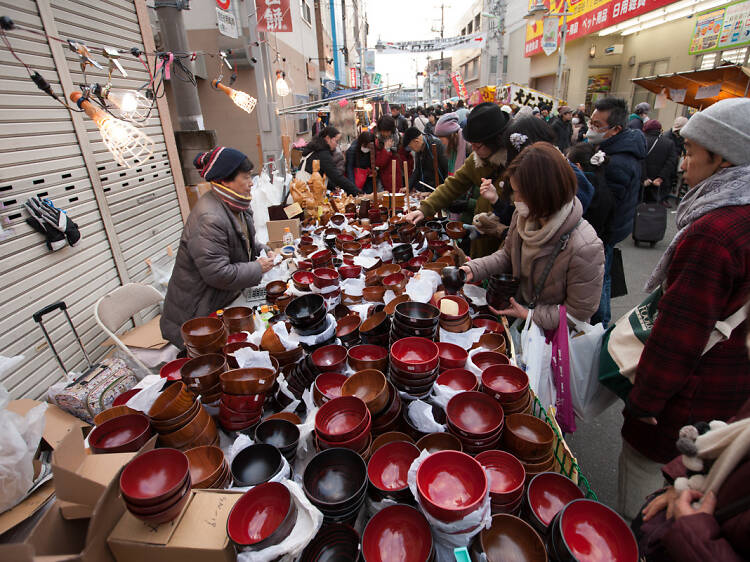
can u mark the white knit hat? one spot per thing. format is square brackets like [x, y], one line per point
[724, 129]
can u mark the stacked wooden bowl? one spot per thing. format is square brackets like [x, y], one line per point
[208, 467]
[201, 376]
[180, 420]
[204, 335]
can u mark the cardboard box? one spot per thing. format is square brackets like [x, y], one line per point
[81, 478]
[145, 336]
[276, 230]
[197, 535]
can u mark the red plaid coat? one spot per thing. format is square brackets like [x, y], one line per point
[708, 280]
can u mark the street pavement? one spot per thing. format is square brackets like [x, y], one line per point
[596, 444]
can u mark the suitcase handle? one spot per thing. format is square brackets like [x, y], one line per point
[47, 309]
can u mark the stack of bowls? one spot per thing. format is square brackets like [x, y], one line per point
[398, 532]
[476, 419]
[500, 289]
[546, 494]
[342, 239]
[201, 375]
[323, 258]
[508, 538]
[307, 314]
[484, 359]
[452, 356]
[373, 293]
[121, 434]
[243, 394]
[368, 356]
[274, 290]
[344, 422]
[414, 365]
[451, 485]
[530, 440]
[256, 464]
[588, 530]
[208, 467]
[263, 517]
[335, 481]
[371, 387]
[389, 419]
[374, 330]
[507, 480]
[329, 358]
[459, 321]
[155, 486]
[282, 434]
[386, 271]
[350, 271]
[509, 385]
[402, 253]
[180, 420]
[302, 280]
[434, 442]
[327, 386]
[415, 319]
[387, 472]
[453, 279]
[204, 335]
[462, 380]
[390, 308]
[396, 283]
[301, 375]
[333, 542]
[240, 318]
[347, 330]
[326, 280]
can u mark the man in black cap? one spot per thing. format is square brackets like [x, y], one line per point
[420, 145]
[484, 167]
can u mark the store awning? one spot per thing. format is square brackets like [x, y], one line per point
[733, 81]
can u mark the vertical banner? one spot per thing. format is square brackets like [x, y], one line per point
[377, 79]
[458, 83]
[226, 20]
[549, 35]
[274, 16]
[352, 77]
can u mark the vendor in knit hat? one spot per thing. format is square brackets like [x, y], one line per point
[483, 168]
[704, 278]
[219, 255]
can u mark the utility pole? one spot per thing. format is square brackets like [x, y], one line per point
[442, 30]
[187, 103]
[335, 44]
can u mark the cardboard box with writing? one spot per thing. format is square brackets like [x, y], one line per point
[199, 534]
[276, 230]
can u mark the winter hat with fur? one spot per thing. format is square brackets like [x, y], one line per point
[724, 129]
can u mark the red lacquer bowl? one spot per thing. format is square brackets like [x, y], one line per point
[389, 465]
[397, 532]
[342, 418]
[153, 476]
[474, 414]
[262, 516]
[505, 383]
[415, 355]
[458, 379]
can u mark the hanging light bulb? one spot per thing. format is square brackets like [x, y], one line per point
[282, 87]
[122, 139]
[130, 103]
[241, 99]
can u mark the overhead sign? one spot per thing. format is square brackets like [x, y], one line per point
[588, 16]
[458, 83]
[274, 16]
[721, 28]
[474, 41]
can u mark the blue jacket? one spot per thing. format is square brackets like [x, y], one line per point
[626, 151]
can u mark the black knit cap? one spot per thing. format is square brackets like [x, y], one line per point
[485, 121]
[410, 134]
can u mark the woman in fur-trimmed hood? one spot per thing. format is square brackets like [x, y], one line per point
[484, 131]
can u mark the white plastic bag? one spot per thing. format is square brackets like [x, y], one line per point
[421, 415]
[535, 356]
[590, 397]
[19, 439]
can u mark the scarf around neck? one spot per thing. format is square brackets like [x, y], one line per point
[235, 201]
[729, 187]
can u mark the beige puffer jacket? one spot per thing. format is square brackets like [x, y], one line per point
[576, 276]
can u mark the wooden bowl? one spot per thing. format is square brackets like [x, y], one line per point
[386, 270]
[289, 416]
[112, 413]
[511, 537]
[276, 288]
[370, 386]
[528, 437]
[247, 381]
[206, 464]
[373, 293]
[375, 324]
[262, 517]
[400, 525]
[187, 434]
[154, 476]
[202, 331]
[123, 434]
[175, 400]
[169, 425]
[451, 485]
[434, 442]
[203, 372]
[361, 357]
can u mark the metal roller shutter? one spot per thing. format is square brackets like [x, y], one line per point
[40, 155]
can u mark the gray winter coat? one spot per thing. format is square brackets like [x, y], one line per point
[212, 265]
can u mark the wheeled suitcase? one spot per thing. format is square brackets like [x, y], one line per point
[650, 223]
[96, 389]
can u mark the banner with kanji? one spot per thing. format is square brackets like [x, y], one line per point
[274, 16]
[458, 83]
[521, 95]
[588, 16]
[473, 41]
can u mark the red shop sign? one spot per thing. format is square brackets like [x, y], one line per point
[274, 16]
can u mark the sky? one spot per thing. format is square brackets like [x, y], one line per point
[408, 20]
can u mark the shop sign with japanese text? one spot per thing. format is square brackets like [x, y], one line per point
[588, 16]
[722, 28]
[274, 16]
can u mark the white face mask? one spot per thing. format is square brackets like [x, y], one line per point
[594, 137]
[522, 209]
[365, 149]
[576, 120]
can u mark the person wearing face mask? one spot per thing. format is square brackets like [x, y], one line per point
[626, 150]
[547, 229]
[485, 165]
[580, 127]
[218, 256]
[321, 148]
[358, 164]
[705, 278]
[420, 145]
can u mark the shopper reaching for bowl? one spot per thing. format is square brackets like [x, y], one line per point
[547, 229]
[218, 255]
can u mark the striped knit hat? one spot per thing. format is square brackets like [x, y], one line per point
[218, 164]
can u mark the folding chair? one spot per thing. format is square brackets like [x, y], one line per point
[117, 307]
